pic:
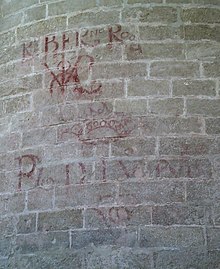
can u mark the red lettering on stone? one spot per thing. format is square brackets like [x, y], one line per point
[33, 161]
[29, 50]
[53, 41]
[119, 215]
[164, 166]
[83, 170]
[112, 35]
[67, 174]
[136, 48]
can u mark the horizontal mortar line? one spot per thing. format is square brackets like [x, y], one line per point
[102, 207]
[150, 60]
[175, 24]
[175, 225]
[97, 160]
[201, 42]
[4, 258]
[177, 5]
[88, 160]
[205, 136]
[168, 96]
[118, 227]
[68, 14]
[10, 97]
[208, 98]
[187, 23]
[24, 9]
[188, 156]
[175, 61]
[39, 232]
[103, 45]
[108, 63]
[144, 98]
[17, 61]
[149, 205]
[153, 41]
[9, 29]
[169, 77]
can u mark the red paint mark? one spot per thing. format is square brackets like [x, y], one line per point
[121, 127]
[104, 171]
[118, 125]
[91, 38]
[53, 41]
[187, 149]
[63, 77]
[67, 174]
[64, 41]
[119, 215]
[164, 166]
[136, 48]
[112, 35]
[124, 169]
[101, 215]
[75, 131]
[90, 34]
[38, 183]
[43, 181]
[29, 50]
[132, 173]
[118, 35]
[115, 215]
[104, 197]
[68, 74]
[83, 169]
[77, 39]
[31, 158]
[26, 52]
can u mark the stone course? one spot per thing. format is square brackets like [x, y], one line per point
[110, 134]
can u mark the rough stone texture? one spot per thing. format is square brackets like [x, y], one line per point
[109, 134]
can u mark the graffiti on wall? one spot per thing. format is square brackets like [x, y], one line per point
[102, 126]
[32, 173]
[68, 66]
[67, 60]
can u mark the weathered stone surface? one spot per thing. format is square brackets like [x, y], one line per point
[104, 237]
[60, 220]
[182, 215]
[155, 51]
[155, 14]
[174, 69]
[69, 6]
[93, 18]
[90, 257]
[171, 237]
[117, 216]
[201, 32]
[149, 192]
[205, 107]
[42, 28]
[109, 134]
[202, 193]
[194, 88]
[186, 258]
[201, 15]
[144, 87]
[169, 125]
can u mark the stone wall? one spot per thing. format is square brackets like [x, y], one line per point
[110, 134]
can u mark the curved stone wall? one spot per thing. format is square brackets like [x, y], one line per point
[109, 134]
